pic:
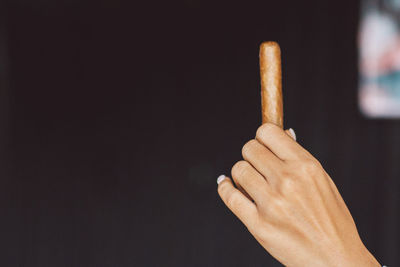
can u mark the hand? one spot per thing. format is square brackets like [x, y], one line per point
[291, 205]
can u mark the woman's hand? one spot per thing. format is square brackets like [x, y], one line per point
[291, 205]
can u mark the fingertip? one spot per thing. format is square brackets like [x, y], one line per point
[221, 178]
[293, 134]
[224, 186]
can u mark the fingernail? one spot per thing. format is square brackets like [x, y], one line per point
[220, 178]
[292, 133]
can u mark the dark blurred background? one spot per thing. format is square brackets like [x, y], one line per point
[117, 117]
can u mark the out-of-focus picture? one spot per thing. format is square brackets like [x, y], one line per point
[379, 58]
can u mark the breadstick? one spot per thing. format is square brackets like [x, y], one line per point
[271, 83]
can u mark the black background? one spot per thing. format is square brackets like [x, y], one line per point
[117, 117]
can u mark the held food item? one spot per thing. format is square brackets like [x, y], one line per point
[271, 83]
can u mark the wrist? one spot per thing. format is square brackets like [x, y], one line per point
[370, 259]
[349, 253]
[359, 257]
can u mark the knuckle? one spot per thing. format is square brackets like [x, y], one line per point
[233, 200]
[287, 186]
[263, 235]
[310, 167]
[248, 147]
[286, 173]
[265, 130]
[275, 205]
[261, 229]
[240, 168]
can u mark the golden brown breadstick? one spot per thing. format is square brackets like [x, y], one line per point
[271, 83]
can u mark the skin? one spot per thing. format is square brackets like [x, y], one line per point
[291, 205]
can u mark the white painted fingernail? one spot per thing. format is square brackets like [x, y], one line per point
[221, 178]
[292, 133]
